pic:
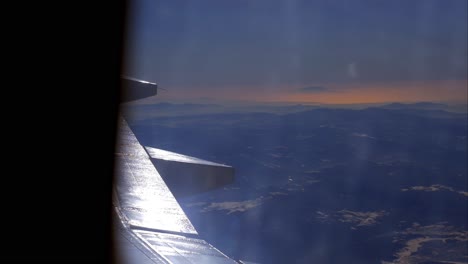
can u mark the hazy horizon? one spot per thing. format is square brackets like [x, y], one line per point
[160, 99]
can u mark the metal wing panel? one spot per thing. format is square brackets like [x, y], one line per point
[172, 156]
[185, 175]
[182, 249]
[150, 226]
[143, 197]
[134, 89]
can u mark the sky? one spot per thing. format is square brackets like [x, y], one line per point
[300, 51]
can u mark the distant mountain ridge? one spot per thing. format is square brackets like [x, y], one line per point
[165, 109]
[420, 105]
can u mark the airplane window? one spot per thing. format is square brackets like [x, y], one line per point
[309, 131]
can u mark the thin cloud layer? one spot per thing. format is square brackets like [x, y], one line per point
[233, 207]
[354, 218]
[435, 188]
[445, 243]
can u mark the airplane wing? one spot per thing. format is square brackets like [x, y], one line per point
[149, 224]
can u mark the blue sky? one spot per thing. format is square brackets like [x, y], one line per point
[273, 49]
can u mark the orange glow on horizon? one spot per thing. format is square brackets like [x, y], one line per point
[385, 93]
[448, 91]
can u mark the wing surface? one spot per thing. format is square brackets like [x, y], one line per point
[150, 226]
[185, 175]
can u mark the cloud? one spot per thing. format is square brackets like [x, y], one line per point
[434, 188]
[233, 207]
[314, 89]
[278, 193]
[362, 135]
[195, 204]
[431, 243]
[356, 219]
[360, 218]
